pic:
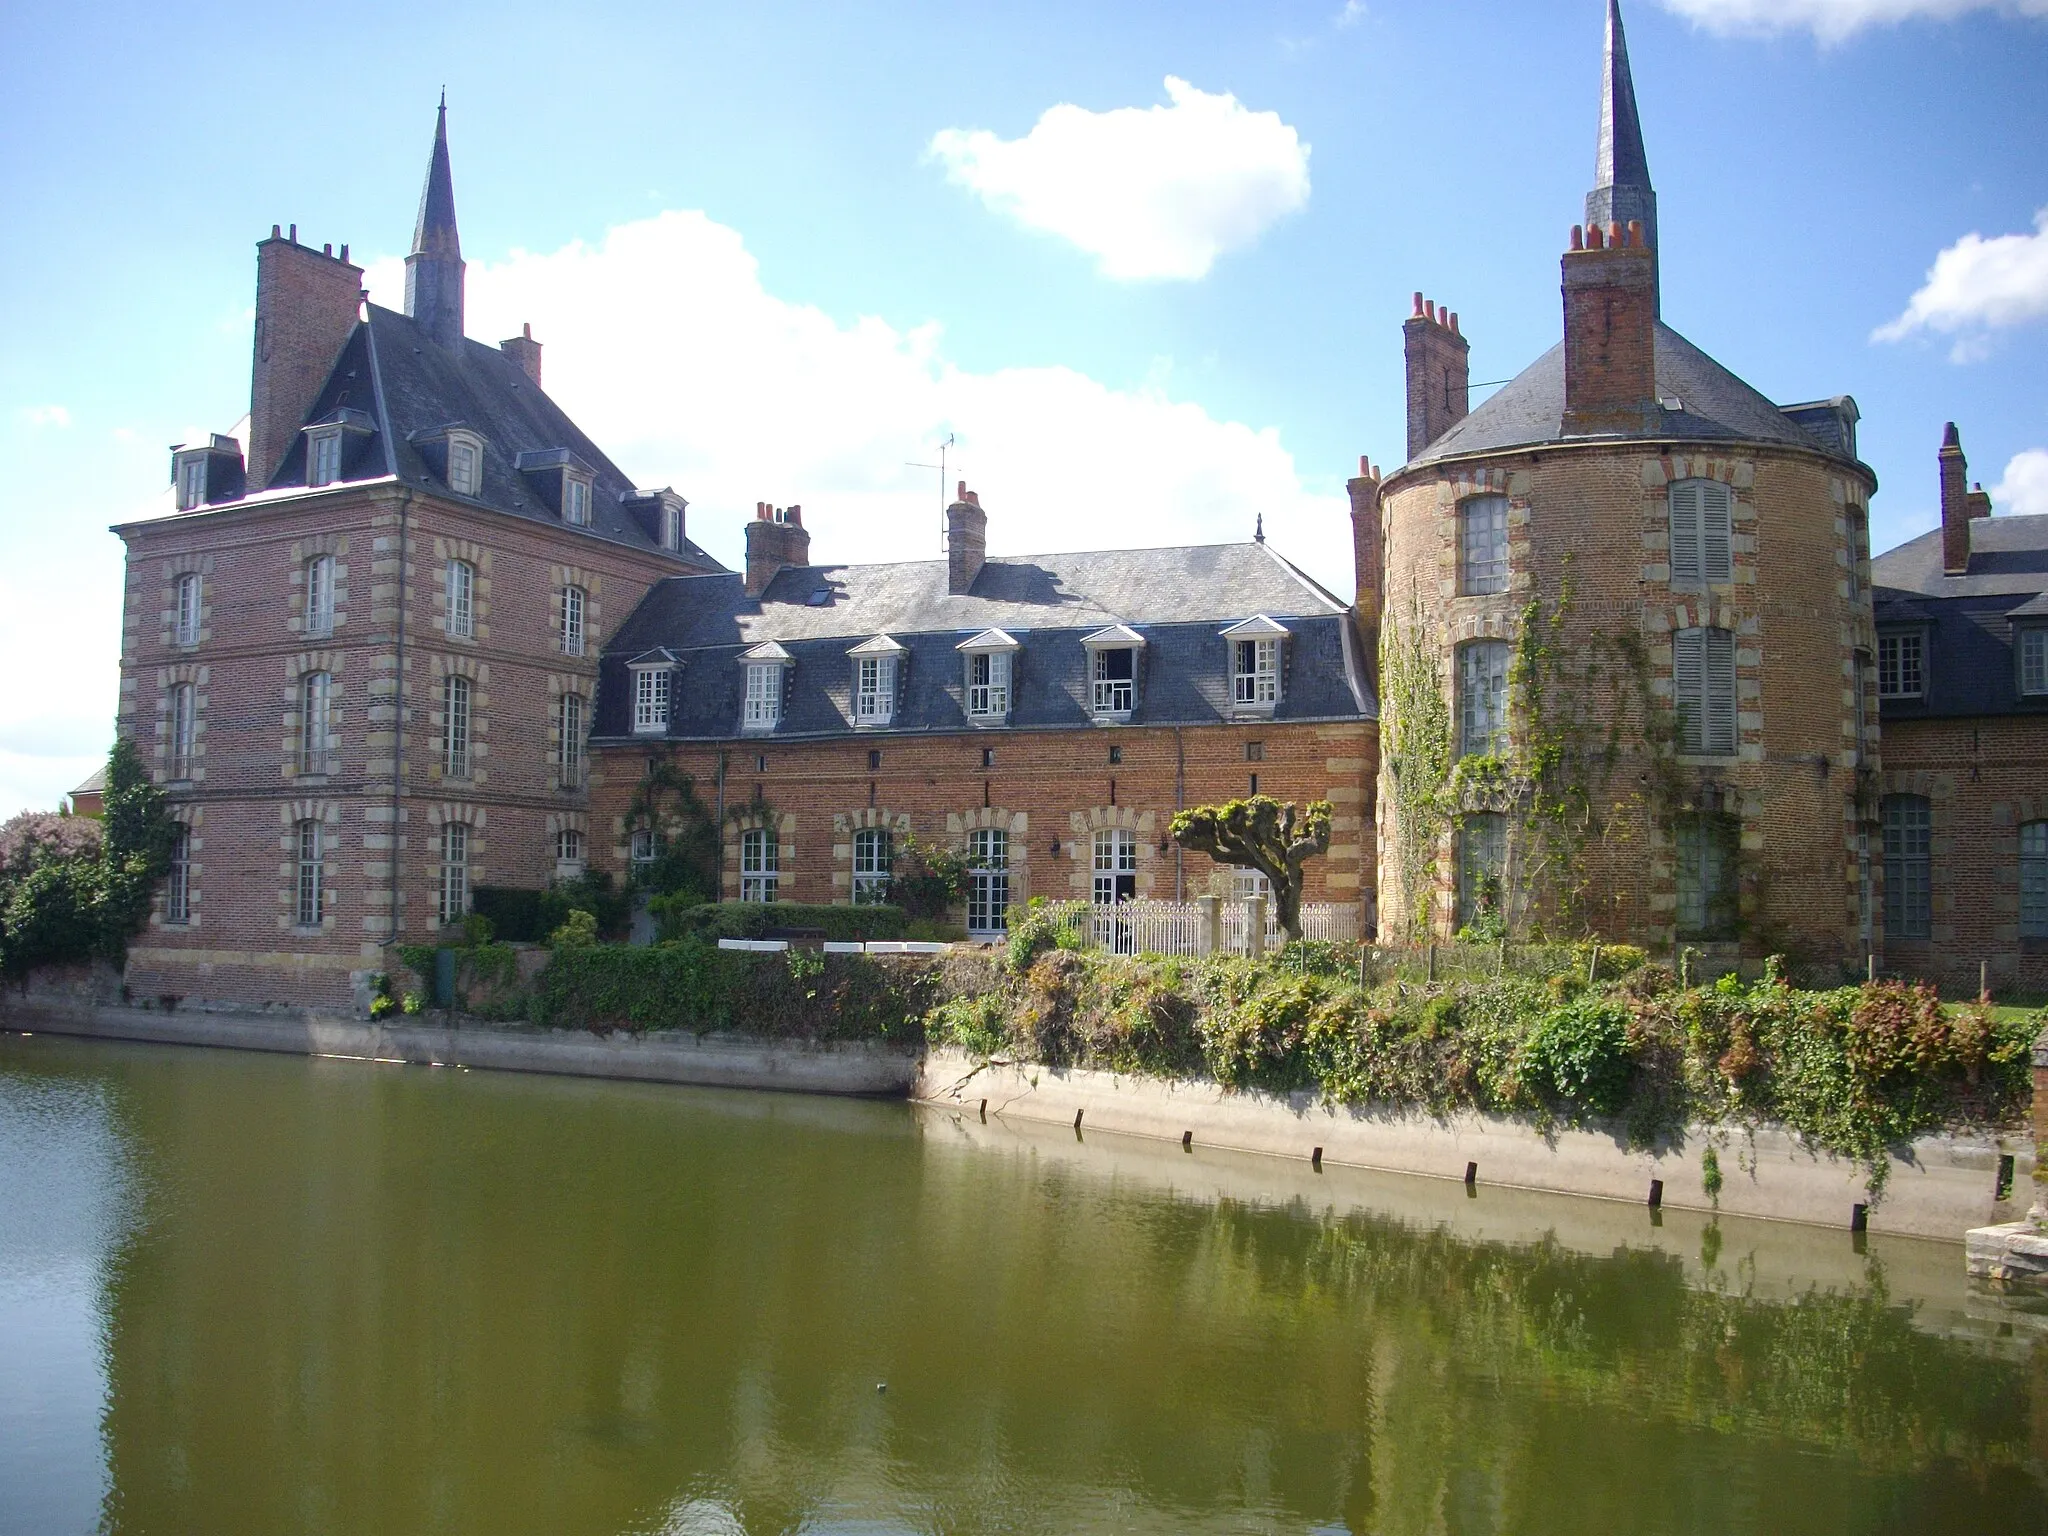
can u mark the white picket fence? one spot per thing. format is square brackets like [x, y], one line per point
[1150, 927]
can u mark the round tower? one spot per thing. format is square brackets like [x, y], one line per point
[1624, 663]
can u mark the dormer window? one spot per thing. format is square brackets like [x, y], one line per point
[875, 664]
[990, 657]
[191, 481]
[671, 527]
[323, 457]
[653, 690]
[1113, 671]
[465, 464]
[1255, 664]
[2033, 649]
[764, 667]
[576, 500]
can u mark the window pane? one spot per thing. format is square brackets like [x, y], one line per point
[873, 860]
[315, 722]
[1483, 696]
[455, 727]
[2034, 880]
[178, 888]
[320, 595]
[2034, 661]
[571, 726]
[454, 871]
[1707, 876]
[1484, 539]
[188, 610]
[572, 621]
[309, 874]
[988, 890]
[1908, 866]
[1482, 858]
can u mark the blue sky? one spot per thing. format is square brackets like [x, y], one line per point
[1148, 263]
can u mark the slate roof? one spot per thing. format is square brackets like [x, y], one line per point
[1970, 620]
[1178, 599]
[1713, 404]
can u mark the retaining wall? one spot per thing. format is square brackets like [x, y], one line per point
[1944, 1185]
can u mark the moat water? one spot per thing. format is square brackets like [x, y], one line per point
[249, 1294]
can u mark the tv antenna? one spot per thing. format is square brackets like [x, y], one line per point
[941, 468]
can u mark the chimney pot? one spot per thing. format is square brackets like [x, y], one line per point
[1635, 231]
[276, 231]
[1418, 294]
[295, 234]
[1578, 238]
[1429, 308]
[1454, 322]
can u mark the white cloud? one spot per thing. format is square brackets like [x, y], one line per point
[662, 343]
[1354, 12]
[1150, 192]
[1833, 20]
[1977, 284]
[2025, 485]
[47, 416]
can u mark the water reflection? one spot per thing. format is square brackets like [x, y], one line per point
[371, 1300]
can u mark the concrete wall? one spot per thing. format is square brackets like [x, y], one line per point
[1944, 1188]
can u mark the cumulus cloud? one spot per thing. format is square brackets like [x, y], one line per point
[1977, 285]
[1833, 20]
[661, 341]
[1150, 192]
[47, 416]
[2024, 487]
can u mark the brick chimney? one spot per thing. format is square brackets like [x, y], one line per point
[966, 540]
[775, 538]
[1439, 373]
[1958, 505]
[1365, 559]
[307, 304]
[524, 351]
[1610, 316]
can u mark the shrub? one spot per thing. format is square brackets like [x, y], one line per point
[520, 916]
[712, 921]
[1579, 1054]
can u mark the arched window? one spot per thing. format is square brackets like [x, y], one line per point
[1482, 696]
[568, 851]
[1702, 533]
[454, 904]
[320, 595]
[316, 720]
[1483, 545]
[1703, 683]
[874, 861]
[2034, 880]
[1908, 867]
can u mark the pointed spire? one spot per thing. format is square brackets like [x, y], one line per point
[1621, 169]
[433, 272]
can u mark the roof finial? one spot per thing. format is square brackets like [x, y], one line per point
[433, 272]
[1621, 169]
[1259, 530]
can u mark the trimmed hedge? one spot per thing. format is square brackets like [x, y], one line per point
[520, 916]
[712, 921]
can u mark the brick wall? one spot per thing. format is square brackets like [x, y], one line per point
[1596, 520]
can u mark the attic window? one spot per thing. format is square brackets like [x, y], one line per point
[762, 669]
[989, 669]
[875, 666]
[323, 457]
[465, 464]
[819, 599]
[651, 697]
[576, 500]
[671, 527]
[1255, 664]
[1113, 671]
[191, 481]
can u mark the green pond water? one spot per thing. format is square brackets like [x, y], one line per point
[249, 1294]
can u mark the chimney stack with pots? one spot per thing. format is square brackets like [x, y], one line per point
[1960, 503]
[307, 304]
[524, 351]
[775, 538]
[1610, 316]
[1365, 559]
[966, 540]
[1439, 373]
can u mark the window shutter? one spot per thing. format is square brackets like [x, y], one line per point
[1717, 517]
[1688, 666]
[1720, 691]
[1685, 533]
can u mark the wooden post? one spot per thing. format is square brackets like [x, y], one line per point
[1432, 965]
[1593, 965]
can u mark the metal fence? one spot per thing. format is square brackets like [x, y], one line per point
[1206, 925]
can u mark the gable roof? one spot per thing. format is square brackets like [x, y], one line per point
[1713, 404]
[1970, 620]
[2008, 554]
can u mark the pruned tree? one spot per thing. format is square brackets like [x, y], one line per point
[1261, 833]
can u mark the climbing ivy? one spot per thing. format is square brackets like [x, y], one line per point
[1415, 736]
[686, 838]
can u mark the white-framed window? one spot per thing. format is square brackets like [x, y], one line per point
[874, 861]
[178, 884]
[650, 699]
[1115, 866]
[988, 685]
[1247, 883]
[316, 720]
[188, 595]
[671, 528]
[454, 903]
[1908, 867]
[570, 748]
[574, 601]
[576, 500]
[1702, 533]
[455, 726]
[1115, 676]
[183, 728]
[1703, 676]
[645, 848]
[760, 864]
[320, 595]
[192, 482]
[2033, 648]
[1483, 545]
[1255, 671]
[1707, 854]
[323, 457]
[307, 902]
[1482, 696]
[568, 849]
[461, 593]
[988, 881]
[465, 466]
[874, 690]
[2034, 879]
[1482, 864]
[1902, 664]
[764, 695]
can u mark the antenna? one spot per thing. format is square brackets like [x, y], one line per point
[941, 468]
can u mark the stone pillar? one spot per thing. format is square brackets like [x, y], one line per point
[1255, 925]
[1211, 937]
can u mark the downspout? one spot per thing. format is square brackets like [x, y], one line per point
[398, 713]
[719, 876]
[1180, 787]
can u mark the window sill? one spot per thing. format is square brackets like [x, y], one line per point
[1112, 717]
[871, 723]
[1709, 759]
[750, 728]
[988, 720]
[1253, 711]
[650, 730]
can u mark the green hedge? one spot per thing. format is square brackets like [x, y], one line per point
[692, 985]
[520, 916]
[713, 921]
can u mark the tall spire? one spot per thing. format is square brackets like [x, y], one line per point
[1621, 170]
[433, 272]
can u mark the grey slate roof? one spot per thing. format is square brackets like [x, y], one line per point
[1179, 600]
[1713, 404]
[1970, 620]
[407, 384]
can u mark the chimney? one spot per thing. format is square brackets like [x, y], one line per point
[1958, 505]
[966, 540]
[524, 351]
[307, 304]
[1439, 373]
[775, 538]
[1365, 560]
[1610, 314]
